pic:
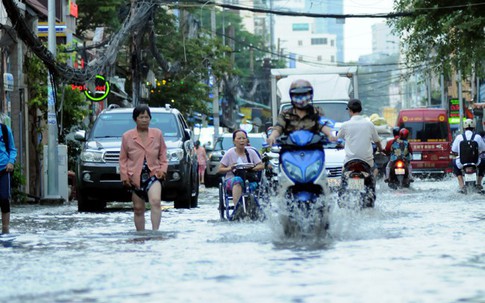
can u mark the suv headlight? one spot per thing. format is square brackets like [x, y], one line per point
[176, 154]
[92, 156]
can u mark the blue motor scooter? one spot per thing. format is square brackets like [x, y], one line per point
[303, 181]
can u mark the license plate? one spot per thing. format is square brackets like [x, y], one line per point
[356, 184]
[333, 182]
[470, 177]
[117, 169]
[399, 171]
[417, 156]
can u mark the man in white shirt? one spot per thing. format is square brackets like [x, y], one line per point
[359, 133]
[469, 126]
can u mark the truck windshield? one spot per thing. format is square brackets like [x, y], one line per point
[427, 131]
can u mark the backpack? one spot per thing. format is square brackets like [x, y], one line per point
[400, 150]
[5, 137]
[468, 150]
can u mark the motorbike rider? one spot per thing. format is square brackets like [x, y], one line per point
[395, 134]
[400, 148]
[359, 133]
[469, 127]
[303, 115]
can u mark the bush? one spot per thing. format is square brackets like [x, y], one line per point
[18, 180]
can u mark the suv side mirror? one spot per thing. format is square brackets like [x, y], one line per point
[188, 133]
[80, 135]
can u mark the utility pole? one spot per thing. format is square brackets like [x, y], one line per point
[135, 56]
[460, 97]
[215, 86]
[52, 195]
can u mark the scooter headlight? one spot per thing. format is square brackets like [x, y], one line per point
[293, 171]
[313, 170]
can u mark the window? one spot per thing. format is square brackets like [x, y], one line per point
[319, 58]
[300, 43]
[300, 58]
[332, 42]
[299, 27]
[332, 58]
[427, 131]
[319, 41]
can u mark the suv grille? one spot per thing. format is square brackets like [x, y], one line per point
[111, 156]
[334, 171]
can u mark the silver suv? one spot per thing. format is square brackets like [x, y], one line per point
[97, 167]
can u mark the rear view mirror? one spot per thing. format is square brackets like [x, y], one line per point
[80, 135]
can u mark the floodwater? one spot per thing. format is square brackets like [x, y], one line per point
[424, 244]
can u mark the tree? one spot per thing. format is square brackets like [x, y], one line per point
[106, 13]
[447, 35]
[186, 85]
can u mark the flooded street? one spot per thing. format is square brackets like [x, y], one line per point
[425, 244]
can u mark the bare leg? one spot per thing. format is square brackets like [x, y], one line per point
[460, 181]
[154, 196]
[479, 180]
[5, 223]
[236, 193]
[388, 169]
[139, 212]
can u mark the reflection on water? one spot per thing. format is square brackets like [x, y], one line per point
[424, 244]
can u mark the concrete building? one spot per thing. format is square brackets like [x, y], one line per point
[15, 94]
[298, 42]
[331, 30]
[383, 40]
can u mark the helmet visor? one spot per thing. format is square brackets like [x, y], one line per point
[301, 96]
[301, 90]
[302, 100]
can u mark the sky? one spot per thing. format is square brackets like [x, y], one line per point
[357, 31]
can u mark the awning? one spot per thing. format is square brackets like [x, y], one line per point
[37, 6]
[244, 101]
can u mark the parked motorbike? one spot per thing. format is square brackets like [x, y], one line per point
[269, 181]
[303, 182]
[358, 186]
[399, 174]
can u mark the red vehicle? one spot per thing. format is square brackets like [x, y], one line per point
[430, 138]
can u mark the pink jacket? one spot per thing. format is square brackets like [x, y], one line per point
[133, 152]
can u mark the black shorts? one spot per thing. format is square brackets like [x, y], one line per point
[142, 192]
[4, 192]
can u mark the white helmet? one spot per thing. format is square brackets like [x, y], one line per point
[469, 123]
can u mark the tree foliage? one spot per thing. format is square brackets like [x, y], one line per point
[187, 88]
[71, 105]
[106, 13]
[446, 34]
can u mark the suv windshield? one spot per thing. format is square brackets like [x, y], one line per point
[427, 131]
[334, 111]
[224, 143]
[116, 124]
